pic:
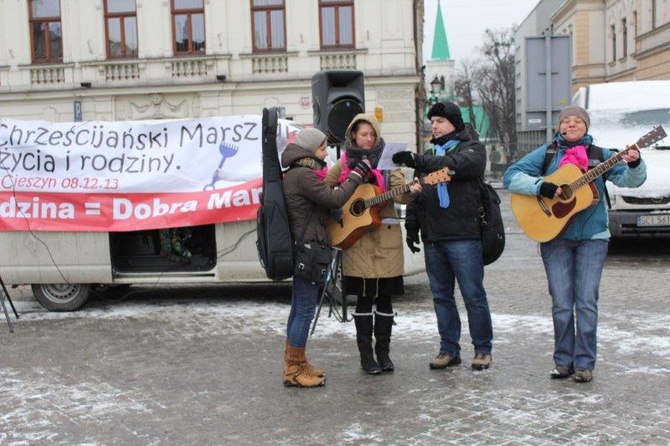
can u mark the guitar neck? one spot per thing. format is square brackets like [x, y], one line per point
[600, 169]
[440, 176]
[388, 195]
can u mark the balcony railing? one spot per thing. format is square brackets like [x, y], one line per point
[47, 75]
[270, 64]
[338, 61]
[121, 71]
[182, 68]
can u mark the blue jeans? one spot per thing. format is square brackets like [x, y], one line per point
[303, 306]
[446, 263]
[574, 268]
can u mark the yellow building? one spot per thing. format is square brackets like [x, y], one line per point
[611, 40]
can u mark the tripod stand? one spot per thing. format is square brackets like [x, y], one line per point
[5, 295]
[333, 289]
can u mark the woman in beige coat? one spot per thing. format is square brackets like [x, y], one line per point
[374, 264]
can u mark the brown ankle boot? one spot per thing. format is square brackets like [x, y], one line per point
[308, 366]
[295, 372]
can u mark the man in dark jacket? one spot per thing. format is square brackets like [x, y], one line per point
[447, 215]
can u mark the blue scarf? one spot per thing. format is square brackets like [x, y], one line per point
[442, 192]
[561, 143]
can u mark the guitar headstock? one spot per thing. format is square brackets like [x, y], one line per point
[439, 176]
[657, 134]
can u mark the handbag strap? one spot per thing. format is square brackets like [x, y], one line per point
[304, 228]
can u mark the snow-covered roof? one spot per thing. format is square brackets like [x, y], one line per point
[633, 95]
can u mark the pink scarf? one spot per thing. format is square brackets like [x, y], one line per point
[322, 173]
[577, 156]
[374, 173]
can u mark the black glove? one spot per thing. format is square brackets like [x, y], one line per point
[407, 158]
[363, 168]
[634, 164]
[548, 189]
[412, 238]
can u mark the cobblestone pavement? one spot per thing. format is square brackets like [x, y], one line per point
[203, 365]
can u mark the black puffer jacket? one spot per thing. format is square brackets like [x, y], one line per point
[304, 190]
[460, 220]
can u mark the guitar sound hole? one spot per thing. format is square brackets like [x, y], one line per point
[357, 208]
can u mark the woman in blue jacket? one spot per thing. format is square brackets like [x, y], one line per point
[574, 260]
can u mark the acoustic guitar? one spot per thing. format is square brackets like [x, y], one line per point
[543, 219]
[361, 211]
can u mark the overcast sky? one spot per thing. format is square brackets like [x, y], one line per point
[466, 21]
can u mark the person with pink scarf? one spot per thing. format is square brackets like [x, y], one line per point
[574, 260]
[374, 265]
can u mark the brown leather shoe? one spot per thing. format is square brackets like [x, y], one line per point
[297, 376]
[481, 361]
[583, 376]
[443, 361]
[561, 372]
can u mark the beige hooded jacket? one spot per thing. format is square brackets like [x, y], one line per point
[378, 253]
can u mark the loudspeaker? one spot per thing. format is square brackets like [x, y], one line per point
[337, 96]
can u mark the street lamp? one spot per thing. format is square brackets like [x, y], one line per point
[436, 90]
[436, 86]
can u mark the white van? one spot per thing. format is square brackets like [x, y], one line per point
[621, 113]
[68, 223]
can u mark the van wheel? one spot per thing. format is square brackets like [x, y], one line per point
[61, 296]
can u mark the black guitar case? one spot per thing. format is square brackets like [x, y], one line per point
[274, 243]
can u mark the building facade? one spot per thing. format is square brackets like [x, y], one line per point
[111, 60]
[611, 40]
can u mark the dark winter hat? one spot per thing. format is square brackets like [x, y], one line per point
[310, 139]
[575, 110]
[450, 111]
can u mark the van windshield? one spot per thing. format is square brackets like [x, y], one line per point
[615, 129]
[635, 118]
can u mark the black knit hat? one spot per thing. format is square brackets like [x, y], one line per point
[450, 111]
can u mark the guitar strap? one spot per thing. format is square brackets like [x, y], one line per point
[595, 155]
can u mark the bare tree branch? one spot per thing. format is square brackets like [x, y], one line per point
[494, 82]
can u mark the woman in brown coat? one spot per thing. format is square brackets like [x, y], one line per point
[308, 200]
[374, 265]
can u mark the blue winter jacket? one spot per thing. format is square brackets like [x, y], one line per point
[525, 177]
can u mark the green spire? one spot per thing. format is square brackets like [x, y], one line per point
[440, 44]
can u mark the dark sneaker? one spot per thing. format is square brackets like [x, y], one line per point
[561, 372]
[443, 361]
[583, 376]
[482, 361]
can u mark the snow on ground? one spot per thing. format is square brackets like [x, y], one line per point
[270, 318]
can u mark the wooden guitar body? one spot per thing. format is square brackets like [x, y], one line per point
[361, 211]
[543, 219]
[356, 219]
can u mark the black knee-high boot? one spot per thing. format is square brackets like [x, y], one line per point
[364, 340]
[383, 328]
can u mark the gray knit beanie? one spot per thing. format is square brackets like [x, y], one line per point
[575, 110]
[310, 139]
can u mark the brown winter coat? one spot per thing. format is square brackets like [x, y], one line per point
[304, 190]
[378, 253]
